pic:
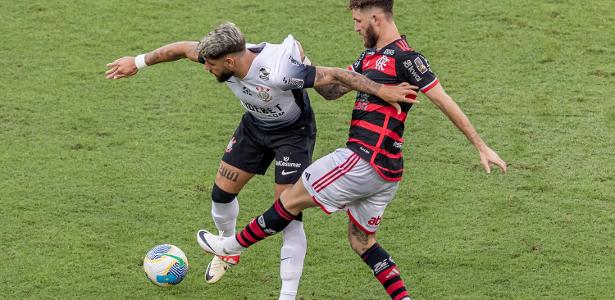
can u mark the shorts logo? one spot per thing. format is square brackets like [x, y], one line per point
[263, 73]
[263, 93]
[285, 162]
[374, 221]
[284, 172]
[229, 147]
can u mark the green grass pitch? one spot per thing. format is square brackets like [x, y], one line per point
[93, 172]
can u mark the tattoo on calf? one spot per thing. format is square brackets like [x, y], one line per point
[228, 174]
[358, 234]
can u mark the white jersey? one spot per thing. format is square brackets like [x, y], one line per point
[272, 91]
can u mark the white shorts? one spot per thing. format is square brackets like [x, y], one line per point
[342, 180]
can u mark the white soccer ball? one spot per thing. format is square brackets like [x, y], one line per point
[165, 265]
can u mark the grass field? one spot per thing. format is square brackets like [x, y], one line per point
[93, 173]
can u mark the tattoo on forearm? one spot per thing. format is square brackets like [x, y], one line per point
[332, 91]
[228, 174]
[353, 80]
[152, 58]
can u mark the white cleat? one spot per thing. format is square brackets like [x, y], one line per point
[214, 244]
[215, 270]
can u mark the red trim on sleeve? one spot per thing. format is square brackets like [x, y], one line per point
[430, 86]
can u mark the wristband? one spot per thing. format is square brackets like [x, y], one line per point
[140, 61]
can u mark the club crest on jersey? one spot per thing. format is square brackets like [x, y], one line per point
[381, 63]
[263, 93]
[263, 73]
[420, 65]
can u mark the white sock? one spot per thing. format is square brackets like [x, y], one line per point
[225, 216]
[292, 256]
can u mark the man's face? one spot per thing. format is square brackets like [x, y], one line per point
[364, 26]
[218, 67]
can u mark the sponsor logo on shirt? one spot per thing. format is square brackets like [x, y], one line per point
[389, 52]
[293, 82]
[273, 112]
[410, 67]
[263, 73]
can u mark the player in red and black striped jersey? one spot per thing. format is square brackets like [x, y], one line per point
[376, 132]
[363, 177]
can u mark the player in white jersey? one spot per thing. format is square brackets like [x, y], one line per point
[269, 80]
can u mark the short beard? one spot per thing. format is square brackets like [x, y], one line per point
[371, 38]
[224, 76]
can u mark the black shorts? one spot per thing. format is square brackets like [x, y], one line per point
[252, 150]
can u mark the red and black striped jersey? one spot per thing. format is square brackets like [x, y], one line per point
[376, 130]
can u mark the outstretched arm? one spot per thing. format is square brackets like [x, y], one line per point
[389, 93]
[126, 66]
[449, 107]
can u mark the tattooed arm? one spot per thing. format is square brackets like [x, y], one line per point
[332, 91]
[125, 66]
[389, 93]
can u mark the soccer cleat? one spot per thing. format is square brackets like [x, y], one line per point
[215, 245]
[218, 266]
[215, 270]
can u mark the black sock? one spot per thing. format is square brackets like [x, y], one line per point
[386, 271]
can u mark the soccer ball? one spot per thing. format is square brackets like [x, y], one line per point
[165, 265]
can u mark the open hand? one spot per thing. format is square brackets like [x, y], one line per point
[122, 67]
[489, 157]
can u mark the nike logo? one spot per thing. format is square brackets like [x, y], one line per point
[202, 238]
[285, 258]
[284, 173]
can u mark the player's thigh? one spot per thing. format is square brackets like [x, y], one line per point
[246, 150]
[339, 178]
[231, 179]
[366, 214]
[296, 198]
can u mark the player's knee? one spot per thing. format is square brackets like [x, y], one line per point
[220, 196]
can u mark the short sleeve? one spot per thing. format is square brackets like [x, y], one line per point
[417, 71]
[293, 74]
